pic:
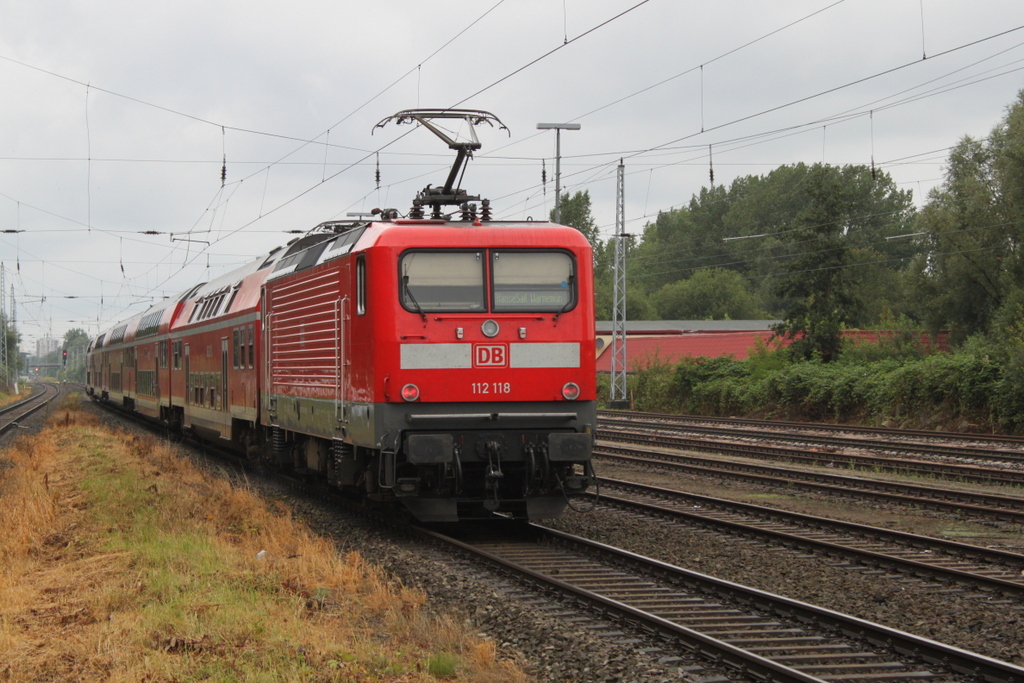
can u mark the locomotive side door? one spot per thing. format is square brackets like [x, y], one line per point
[341, 360]
[343, 329]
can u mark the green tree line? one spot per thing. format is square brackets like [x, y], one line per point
[825, 248]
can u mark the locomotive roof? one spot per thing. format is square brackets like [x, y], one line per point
[332, 240]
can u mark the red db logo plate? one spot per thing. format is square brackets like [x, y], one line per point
[490, 355]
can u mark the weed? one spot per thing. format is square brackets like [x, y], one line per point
[442, 665]
[157, 569]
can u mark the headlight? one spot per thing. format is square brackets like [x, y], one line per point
[411, 392]
[570, 392]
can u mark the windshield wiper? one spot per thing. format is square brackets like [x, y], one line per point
[570, 301]
[408, 291]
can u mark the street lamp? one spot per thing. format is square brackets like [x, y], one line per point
[558, 128]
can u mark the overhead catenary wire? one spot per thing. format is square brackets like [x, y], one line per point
[649, 150]
[591, 30]
[753, 138]
[691, 70]
[225, 126]
[647, 170]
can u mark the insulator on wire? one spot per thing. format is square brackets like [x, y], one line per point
[377, 173]
[224, 151]
[874, 173]
[544, 176]
[711, 167]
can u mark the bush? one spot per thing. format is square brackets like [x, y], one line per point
[650, 387]
[981, 385]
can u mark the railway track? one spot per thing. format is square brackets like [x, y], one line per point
[753, 633]
[13, 414]
[989, 569]
[951, 501]
[829, 458]
[773, 428]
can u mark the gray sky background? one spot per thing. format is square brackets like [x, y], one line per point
[116, 116]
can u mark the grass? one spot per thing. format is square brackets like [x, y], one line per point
[121, 562]
[6, 398]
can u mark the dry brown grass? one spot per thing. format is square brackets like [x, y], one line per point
[122, 562]
[11, 398]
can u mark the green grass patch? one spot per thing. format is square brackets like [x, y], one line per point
[443, 665]
[179, 576]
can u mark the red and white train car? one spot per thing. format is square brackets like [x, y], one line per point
[445, 364]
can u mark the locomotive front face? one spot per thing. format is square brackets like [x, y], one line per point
[488, 373]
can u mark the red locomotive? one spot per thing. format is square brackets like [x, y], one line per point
[444, 362]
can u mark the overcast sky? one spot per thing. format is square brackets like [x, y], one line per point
[116, 117]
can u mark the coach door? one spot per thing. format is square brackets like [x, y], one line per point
[156, 373]
[188, 387]
[269, 401]
[224, 350]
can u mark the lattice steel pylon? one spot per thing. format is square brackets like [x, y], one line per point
[14, 353]
[619, 399]
[5, 368]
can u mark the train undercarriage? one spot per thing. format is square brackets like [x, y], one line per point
[449, 476]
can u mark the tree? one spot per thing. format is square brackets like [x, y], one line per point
[818, 283]
[76, 338]
[973, 227]
[76, 343]
[747, 228]
[710, 294]
[576, 213]
[638, 304]
[9, 374]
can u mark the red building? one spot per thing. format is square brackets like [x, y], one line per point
[669, 341]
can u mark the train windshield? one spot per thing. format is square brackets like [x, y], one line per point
[533, 281]
[450, 281]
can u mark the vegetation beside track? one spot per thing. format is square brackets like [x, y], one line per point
[11, 398]
[978, 387]
[120, 561]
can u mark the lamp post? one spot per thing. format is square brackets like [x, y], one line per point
[558, 128]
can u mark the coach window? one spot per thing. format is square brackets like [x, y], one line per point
[236, 349]
[451, 281]
[361, 284]
[252, 346]
[534, 281]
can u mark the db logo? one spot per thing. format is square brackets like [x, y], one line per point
[490, 355]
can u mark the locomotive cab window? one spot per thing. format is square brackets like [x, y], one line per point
[534, 281]
[448, 281]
